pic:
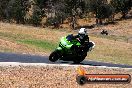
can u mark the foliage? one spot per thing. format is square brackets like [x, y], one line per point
[52, 21]
[16, 10]
[36, 16]
[3, 5]
[122, 6]
[42, 44]
[57, 11]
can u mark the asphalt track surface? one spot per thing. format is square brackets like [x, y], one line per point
[23, 58]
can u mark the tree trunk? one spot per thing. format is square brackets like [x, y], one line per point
[99, 21]
[123, 15]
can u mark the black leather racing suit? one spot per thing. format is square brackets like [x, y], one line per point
[82, 39]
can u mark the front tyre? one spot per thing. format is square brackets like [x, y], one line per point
[54, 56]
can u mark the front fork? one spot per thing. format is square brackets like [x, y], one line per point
[60, 52]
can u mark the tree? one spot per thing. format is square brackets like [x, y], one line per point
[74, 9]
[101, 9]
[36, 16]
[55, 12]
[122, 6]
[3, 5]
[42, 5]
[16, 10]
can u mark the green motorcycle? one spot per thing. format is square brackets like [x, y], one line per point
[70, 49]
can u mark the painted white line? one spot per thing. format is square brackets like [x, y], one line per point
[12, 64]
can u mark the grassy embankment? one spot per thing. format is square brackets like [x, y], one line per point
[27, 39]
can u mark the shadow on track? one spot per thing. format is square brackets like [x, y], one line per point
[22, 58]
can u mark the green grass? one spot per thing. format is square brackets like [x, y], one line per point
[41, 44]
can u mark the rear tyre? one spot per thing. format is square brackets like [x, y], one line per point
[81, 80]
[54, 56]
[79, 59]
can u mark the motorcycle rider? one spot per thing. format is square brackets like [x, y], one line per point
[82, 37]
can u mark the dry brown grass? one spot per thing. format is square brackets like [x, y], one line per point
[105, 50]
[39, 33]
[46, 77]
[62, 77]
[111, 51]
[9, 46]
[122, 28]
[26, 32]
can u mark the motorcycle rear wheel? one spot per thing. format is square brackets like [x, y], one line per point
[79, 59]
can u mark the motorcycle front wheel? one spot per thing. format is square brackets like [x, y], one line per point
[54, 56]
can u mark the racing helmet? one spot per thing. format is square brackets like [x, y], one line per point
[83, 31]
